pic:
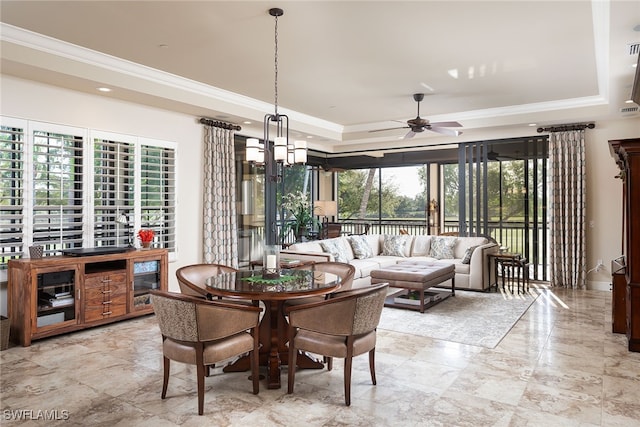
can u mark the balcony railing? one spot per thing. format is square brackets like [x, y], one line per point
[515, 236]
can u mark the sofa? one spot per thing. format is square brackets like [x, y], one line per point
[374, 251]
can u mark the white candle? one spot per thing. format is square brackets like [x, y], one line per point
[271, 262]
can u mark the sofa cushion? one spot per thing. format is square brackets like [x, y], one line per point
[465, 242]
[467, 254]
[360, 247]
[364, 267]
[337, 248]
[442, 247]
[394, 245]
[312, 246]
[384, 260]
[421, 245]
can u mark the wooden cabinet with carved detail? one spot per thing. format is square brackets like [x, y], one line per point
[55, 295]
[626, 153]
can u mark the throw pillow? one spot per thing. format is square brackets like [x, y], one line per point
[360, 246]
[335, 248]
[467, 254]
[442, 247]
[393, 245]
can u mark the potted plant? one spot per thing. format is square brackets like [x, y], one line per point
[146, 237]
[301, 219]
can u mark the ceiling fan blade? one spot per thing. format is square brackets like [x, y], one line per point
[382, 130]
[446, 131]
[409, 134]
[446, 124]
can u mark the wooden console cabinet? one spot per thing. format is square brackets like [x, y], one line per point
[626, 153]
[55, 295]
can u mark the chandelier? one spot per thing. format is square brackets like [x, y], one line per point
[283, 153]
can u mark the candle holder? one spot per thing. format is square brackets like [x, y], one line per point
[271, 262]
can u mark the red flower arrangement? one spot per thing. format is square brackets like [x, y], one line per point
[146, 235]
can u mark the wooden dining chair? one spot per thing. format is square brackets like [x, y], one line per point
[344, 326]
[200, 332]
[191, 278]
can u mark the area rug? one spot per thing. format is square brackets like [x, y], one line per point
[475, 318]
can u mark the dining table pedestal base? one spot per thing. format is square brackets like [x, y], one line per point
[274, 351]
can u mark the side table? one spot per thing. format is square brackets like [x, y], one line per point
[512, 267]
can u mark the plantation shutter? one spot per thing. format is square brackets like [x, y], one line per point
[114, 192]
[57, 191]
[158, 185]
[11, 193]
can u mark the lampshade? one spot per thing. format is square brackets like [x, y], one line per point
[325, 207]
[280, 149]
[253, 149]
[300, 151]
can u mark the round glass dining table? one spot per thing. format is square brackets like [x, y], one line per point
[273, 292]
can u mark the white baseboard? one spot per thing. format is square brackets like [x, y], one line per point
[599, 286]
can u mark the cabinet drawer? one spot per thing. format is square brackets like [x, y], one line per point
[111, 279]
[105, 309]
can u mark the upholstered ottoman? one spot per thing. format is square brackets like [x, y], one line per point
[414, 276]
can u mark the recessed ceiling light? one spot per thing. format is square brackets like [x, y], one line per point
[629, 101]
[533, 124]
[246, 122]
[309, 136]
[104, 89]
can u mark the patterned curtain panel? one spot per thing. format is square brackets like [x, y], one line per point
[219, 222]
[567, 209]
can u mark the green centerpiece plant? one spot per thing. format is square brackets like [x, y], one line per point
[300, 217]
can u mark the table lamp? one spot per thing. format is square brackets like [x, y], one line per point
[122, 219]
[325, 208]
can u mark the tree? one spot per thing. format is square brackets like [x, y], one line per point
[367, 192]
[351, 195]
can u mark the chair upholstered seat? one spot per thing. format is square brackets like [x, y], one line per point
[334, 346]
[213, 351]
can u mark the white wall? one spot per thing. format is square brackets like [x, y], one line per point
[604, 198]
[34, 101]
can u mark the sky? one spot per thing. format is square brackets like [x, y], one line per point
[406, 179]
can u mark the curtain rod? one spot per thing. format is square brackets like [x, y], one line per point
[564, 128]
[217, 124]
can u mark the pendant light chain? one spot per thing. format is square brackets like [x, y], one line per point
[276, 66]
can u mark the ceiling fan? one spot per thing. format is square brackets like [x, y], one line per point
[327, 167]
[419, 124]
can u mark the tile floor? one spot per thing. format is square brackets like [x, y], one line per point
[559, 366]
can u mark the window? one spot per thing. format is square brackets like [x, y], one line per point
[62, 189]
[11, 189]
[157, 196]
[114, 192]
[58, 197]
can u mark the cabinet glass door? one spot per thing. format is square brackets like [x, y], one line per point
[56, 302]
[146, 276]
